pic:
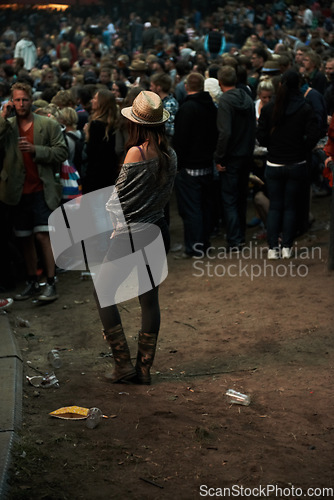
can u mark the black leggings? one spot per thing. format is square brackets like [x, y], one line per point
[150, 309]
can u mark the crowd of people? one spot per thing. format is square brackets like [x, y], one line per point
[247, 93]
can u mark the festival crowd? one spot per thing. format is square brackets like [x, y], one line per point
[249, 91]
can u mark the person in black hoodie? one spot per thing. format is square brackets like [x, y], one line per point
[233, 156]
[195, 138]
[288, 127]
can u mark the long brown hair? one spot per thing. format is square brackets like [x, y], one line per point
[107, 110]
[156, 137]
[289, 86]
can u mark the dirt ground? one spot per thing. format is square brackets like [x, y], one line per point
[269, 336]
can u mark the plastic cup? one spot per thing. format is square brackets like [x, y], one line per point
[94, 417]
[54, 358]
[238, 397]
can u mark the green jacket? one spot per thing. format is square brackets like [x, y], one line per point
[51, 151]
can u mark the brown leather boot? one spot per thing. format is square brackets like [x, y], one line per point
[147, 343]
[123, 370]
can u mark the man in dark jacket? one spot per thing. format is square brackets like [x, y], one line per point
[151, 34]
[195, 138]
[236, 125]
[316, 78]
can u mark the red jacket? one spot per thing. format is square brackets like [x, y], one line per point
[329, 147]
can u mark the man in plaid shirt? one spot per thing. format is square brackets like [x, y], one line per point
[161, 84]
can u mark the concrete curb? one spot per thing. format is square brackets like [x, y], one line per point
[11, 372]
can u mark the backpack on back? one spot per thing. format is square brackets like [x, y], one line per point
[65, 51]
[79, 154]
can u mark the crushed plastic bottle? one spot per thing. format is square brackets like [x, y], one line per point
[24, 323]
[238, 397]
[94, 417]
[50, 380]
[45, 382]
[54, 358]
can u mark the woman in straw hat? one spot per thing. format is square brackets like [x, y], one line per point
[143, 189]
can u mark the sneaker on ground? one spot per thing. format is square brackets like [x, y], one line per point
[183, 255]
[30, 290]
[176, 247]
[286, 253]
[49, 293]
[5, 303]
[273, 254]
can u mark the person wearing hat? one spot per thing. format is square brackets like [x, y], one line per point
[271, 68]
[143, 189]
[150, 60]
[123, 61]
[139, 78]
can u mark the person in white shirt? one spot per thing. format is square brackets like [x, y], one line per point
[26, 49]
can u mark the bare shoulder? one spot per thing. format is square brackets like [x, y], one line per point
[133, 155]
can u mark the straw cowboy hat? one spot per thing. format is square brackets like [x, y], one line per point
[147, 109]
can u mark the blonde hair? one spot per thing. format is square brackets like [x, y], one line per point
[63, 99]
[35, 73]
[24, 87]
[48, 71]
[68, 117]
[265, 84]
[51, 111]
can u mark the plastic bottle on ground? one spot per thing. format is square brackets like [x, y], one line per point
[54, 358]
[94, 417]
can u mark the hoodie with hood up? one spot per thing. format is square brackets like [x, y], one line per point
[236, 124]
